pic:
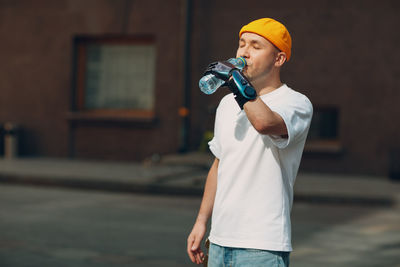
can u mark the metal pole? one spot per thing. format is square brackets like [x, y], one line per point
[185, 109]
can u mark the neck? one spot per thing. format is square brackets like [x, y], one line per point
[268, 84]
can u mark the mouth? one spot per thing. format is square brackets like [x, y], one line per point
[248, 64]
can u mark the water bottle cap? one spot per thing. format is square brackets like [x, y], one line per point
[242, 59]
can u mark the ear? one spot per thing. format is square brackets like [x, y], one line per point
[280, 59]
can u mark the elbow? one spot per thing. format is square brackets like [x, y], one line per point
[263, 127]
[266, 127]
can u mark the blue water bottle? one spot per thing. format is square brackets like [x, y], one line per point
[210, 83]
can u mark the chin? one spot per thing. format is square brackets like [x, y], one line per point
[246, 74]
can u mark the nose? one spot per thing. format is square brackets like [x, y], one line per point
[243, 52]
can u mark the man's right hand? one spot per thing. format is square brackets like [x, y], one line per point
[194, 251]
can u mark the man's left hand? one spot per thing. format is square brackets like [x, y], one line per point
[221, 69]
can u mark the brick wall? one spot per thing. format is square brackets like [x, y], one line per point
[344, 55]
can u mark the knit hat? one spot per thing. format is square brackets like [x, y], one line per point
[273, 31]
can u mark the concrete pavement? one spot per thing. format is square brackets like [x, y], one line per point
[185, 174]
[48, 226]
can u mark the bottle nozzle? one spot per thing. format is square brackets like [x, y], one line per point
[243, 60]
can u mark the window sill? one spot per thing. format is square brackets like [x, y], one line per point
[323, 146]
[135, 116]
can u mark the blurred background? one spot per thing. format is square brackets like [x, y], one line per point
[102, 94]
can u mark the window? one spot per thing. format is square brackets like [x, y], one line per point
[324, 124]
[115, 76]
[323, 135]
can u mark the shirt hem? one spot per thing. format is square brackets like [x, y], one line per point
[252, 244]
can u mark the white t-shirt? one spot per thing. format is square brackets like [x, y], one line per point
[256, 173]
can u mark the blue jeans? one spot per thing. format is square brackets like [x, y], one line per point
[242, 257]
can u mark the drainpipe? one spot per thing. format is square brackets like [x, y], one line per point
[185, 109]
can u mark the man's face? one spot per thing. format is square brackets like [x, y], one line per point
[260, 56]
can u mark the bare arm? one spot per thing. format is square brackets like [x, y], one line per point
[263, 119]
[199, 229]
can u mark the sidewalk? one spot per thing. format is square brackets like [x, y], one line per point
[184, 174]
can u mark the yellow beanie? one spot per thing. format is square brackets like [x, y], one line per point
[273, 31]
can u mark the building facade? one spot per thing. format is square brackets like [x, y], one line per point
[118, 79]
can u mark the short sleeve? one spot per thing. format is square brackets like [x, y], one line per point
[215, 147]
[214, 144]
[296, 113]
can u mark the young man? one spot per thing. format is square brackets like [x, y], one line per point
[258, 142]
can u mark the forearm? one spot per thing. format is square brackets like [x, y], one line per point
[263, 119]
[199, 229]
[210, 189]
